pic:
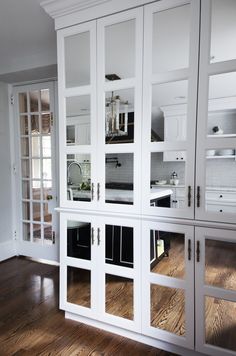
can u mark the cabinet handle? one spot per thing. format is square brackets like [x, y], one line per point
[221, 211]
[98, 191]
[198, 251]
[221, 196]
[189, 250]
[92, 191]
[98, 236]
[198, 196]
[189, 196]
[92, 235]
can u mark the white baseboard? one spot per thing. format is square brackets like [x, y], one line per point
[7, 250]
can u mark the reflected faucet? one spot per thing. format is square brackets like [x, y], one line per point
[69, 181]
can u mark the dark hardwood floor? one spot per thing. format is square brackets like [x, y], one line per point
[31, 323]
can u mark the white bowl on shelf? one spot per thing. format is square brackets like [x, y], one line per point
[226, 152]
[160, 182]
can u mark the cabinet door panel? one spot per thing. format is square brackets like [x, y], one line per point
[168, 265]
[215, 290]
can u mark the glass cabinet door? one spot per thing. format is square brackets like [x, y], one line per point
[119, 279]
[167, 282]
[169, 107]
[216, 142]
[119, 110]
[215, 291]
[77, 109]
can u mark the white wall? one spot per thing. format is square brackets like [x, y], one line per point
[6, 240]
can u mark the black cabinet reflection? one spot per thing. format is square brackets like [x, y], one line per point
[119, 245]
[79, 240]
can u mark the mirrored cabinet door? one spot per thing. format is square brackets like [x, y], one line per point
[216, 144]
[169, 107]
[120, 272]
[77, 68]
[216, 291]
[119, 109]
[168, 262]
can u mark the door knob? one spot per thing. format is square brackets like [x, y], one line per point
[49, 197]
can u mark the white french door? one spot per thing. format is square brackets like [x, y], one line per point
[35, 148]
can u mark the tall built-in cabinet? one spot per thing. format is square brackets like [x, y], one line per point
[132, 255]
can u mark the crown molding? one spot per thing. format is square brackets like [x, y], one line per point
[58, 8]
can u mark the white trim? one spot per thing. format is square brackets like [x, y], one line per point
[7, 250]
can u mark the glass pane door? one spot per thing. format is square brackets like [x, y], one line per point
[216, 292]
[170, 90]
[38, 194]
[168, 261]
[216, 189]
[119, 104]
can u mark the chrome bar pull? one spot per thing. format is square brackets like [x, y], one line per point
[198, 251]
[189, 250]
[98, 236]
[198, 196]
[189, 196]
[98, 191]
[92, 235]
[92, 191]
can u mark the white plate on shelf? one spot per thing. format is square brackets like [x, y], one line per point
[161, 182]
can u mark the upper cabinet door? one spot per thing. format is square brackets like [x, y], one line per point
[171, 34]
[119, 85]
[216, 159]
[77, 113]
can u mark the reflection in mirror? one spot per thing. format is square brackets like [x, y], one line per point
[79, 177]
[46, 123]
[167, 253]
[119, 245]
[119, 120]
[168, 309]
[47, 189]
[26, 210]
[79, 286]
[120, 49]
[25, 147]
[119, 178]
[223, 30]
[77, 60]
[222, 314]
[119, 296]
[168, 179]
[222, 105]
[35, 129]
[25, 168]
[170, 43]
[78, 120]
[34, 101]
[79, 239]
[24, 126]
[220, 264]
[26, 231]
[220, 195]
[25, 189]
[169, 111]
[22, 97]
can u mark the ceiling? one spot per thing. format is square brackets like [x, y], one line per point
[27, 36]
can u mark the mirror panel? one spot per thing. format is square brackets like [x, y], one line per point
[79, 239]
[119, 178]
[79, 177]
[79, 286]
[168, 309]
[77, 60]
[167, 253]
[26, 231]
[223, 31]
[169, 111]
[170, 43]
[222, 314]
[119, 296]
[120, 50]
[78, 120]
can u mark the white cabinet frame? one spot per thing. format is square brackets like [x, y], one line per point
[189, 74]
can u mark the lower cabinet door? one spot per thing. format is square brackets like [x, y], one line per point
[168, 282]
[101, 269]
[215, 291]
[120, 272]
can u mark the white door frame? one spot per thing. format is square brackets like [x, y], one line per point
[26, 248]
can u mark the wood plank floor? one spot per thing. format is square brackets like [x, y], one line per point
[31, 324]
